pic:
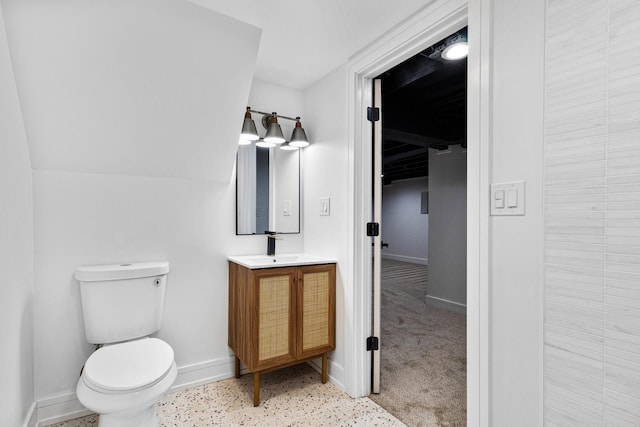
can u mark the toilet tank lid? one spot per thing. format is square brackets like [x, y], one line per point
[96, 273]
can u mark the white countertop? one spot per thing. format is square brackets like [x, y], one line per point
[280, 260]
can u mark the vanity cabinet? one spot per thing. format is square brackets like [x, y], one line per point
[280, 317]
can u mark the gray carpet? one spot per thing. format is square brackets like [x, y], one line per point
[423, 352]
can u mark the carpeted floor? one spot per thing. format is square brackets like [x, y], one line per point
[423, 352]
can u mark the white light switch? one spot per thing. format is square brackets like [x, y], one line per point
[507, 198]
[325, 206]
[286, 208]
[499, 199]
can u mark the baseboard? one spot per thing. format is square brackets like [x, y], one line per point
[447, 304]
[335, 371]
[58, 408]
[64, 407]
[403, 258]
[31, 420]
[204, 372]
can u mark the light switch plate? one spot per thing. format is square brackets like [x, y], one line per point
[507, 198]
[286, 208]
[325, 206]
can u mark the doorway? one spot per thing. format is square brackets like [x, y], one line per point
[417, 33]
[422, 151]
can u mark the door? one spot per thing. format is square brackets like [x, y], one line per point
[377, 240]
[316, 310]
[274, 337]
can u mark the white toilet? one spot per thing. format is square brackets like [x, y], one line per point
[124, 379]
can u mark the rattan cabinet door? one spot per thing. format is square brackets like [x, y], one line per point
[275, 297]
[316, 291]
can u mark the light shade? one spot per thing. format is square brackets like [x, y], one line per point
[265, 144]
[249, 131]
[274, 131]
[455, 51]
[299, 137]
[288, 147]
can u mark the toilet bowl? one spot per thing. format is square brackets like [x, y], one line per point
[123, 382]
[122, 305]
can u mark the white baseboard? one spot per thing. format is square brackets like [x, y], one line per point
[63, 407]
[404, 258]
[336, 371]
[447, 304]
[204, 372]
[31, 420]
[58, 408]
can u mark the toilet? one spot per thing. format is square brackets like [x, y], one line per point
[126, 377]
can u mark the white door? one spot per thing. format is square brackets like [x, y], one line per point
[377, 240]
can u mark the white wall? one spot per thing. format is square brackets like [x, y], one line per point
[404, 228]
[515, 298]
[591, 211]
[129, 168]
[325, 174]
[16, 252]
[447, 282]
[136, 94]
[514, 381]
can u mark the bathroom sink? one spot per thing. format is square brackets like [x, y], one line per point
[284, 260]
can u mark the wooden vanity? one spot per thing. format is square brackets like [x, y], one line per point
[281, 316]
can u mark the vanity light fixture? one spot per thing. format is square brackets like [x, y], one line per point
[288, 147]
[264, 143]
[299, 137]
[274, 135]
[274, 131]
[249, 132]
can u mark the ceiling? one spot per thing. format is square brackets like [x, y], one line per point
[302, 41]
[423, 106]
[424, 102]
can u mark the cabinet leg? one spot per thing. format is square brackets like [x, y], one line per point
[324, 368]
[237, 367]
[256, 388]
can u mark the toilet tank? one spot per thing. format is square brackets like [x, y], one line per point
[121, 302]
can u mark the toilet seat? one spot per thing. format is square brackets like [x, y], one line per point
[128, 367]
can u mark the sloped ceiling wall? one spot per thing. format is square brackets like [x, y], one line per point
[144, 87]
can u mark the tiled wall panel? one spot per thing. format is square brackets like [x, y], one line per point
[592, 213]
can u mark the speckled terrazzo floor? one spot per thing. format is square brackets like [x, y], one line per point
[292, 396]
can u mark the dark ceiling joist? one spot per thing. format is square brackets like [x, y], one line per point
[414, 139]
[405, 155]
[411, 71]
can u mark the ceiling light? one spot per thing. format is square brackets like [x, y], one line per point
[455, 51]
[299, 137]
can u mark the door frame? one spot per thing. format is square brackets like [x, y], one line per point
[421, 30]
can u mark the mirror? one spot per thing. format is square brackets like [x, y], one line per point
[267, 190]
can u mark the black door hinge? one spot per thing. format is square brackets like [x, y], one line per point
[373, 229]
[372, 343]
[373, 114]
